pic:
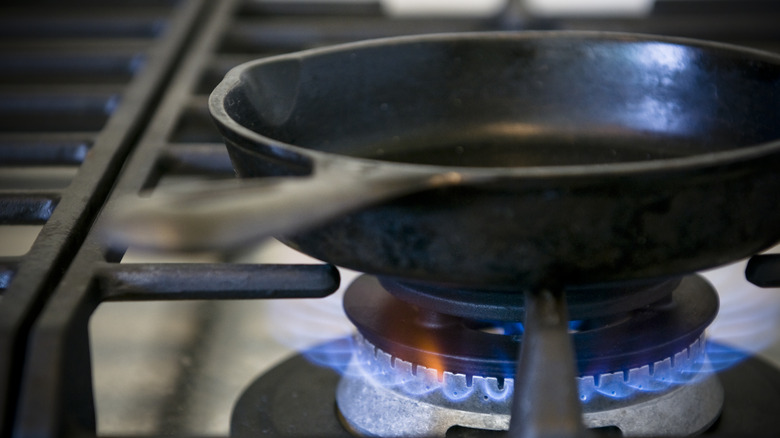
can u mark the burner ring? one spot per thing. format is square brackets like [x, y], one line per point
[491, 395]
[383, 396]
[622, 342]
[583, 302]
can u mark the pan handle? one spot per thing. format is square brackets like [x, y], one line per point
[231, 214]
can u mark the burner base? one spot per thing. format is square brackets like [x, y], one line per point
[669, 414]
[298, 399]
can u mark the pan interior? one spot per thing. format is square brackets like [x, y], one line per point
[504, 101]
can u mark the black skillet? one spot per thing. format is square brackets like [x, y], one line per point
[499, 159]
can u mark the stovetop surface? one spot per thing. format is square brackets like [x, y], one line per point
[94, 89]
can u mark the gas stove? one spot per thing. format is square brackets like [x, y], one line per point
[101, 100]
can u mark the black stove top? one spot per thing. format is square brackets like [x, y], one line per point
[101, 99]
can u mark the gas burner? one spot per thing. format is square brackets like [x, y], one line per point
[421, 372]
[380, 395]
[274, 403]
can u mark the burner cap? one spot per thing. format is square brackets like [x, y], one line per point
[608, 344]
[583, 302]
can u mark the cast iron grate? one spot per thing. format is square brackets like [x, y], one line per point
[76, 83]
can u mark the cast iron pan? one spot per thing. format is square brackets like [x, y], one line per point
[502, 159]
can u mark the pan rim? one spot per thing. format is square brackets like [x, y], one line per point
[746, 152]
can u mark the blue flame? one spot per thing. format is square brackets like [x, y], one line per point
[749, 318]
[382, 370]
[497, 392]
[685, 367]
[335, 354]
